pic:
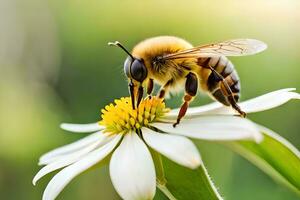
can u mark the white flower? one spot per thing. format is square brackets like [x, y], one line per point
[126, 133]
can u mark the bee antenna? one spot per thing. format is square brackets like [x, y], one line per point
[118, 44]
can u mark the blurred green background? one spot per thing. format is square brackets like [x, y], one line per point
[55, 66]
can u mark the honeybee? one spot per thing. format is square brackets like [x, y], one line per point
[171, 62]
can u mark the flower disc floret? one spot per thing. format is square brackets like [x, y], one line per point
[121, 117]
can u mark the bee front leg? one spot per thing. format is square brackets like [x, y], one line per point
[150, 86]
[191, 87]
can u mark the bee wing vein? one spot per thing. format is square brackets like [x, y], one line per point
[236, 47]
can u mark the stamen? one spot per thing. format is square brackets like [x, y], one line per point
[120, 117]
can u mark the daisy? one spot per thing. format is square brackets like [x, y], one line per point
[131, 138]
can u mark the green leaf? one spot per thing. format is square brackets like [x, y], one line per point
[186, 183]
[274, 155]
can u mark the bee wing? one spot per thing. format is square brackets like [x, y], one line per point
[235, 47]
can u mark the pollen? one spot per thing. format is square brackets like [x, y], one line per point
[120, 117]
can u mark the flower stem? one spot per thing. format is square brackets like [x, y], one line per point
[160, 173]
[161, 181]
[166, 192]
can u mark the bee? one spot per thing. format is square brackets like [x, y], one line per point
[172, 62]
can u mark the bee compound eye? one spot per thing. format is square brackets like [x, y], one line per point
[138, 70]
[127, 65]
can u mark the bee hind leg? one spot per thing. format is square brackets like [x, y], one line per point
[235, 106]
[191, 87]
[227, 92]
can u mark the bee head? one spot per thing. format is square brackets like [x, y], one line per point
[136, 72]
[135, 69]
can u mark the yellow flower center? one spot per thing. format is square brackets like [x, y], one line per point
[120, 117]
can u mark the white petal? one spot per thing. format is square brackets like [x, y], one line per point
[82, 128]
[64, 161]
[177, 148]
[264, 102]
[214, 128]
[261, 103]
[61, 179]
[132, 170]
[194, 111]
[70, 148]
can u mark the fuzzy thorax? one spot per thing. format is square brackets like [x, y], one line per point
[120, 117]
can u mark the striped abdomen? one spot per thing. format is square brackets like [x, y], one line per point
[212, 82]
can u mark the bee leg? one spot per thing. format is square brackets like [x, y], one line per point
[191, 87]
[236, 106]
[150, 87]
[140, 95]
[131, 90]
[227, 92]
[162, 92]
[230, 97]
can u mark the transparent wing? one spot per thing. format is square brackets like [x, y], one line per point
[235, 47]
